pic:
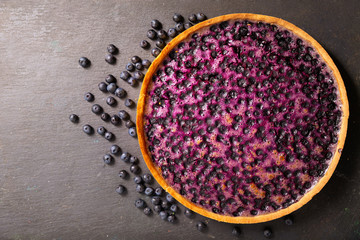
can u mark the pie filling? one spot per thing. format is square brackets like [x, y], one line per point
[242, 118]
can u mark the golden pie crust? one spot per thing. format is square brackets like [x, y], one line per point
[239, 219]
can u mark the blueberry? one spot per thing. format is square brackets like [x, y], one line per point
[289, 220]
[129, 103]
[110, 79]
[147, 211]
[108, 159]
[188, 213]
[174, 208]
[200, 17]
[102, 87]
[149, 191]
[101, 130]
[155, 52]
[120, 189]
[132, 132]
[139, 66]
[109, 58]
[159, 191]
[139, 203]
[188, 25]
[111, 101]
[162, 34]
[138, 75]
[109, 136]
[74, 118]
[123, 174]
[138, 179]
[165, 205]
[169, 198]
[236, 231]
[155, 24]
[144, 44]
[163, 215]
[115, 149]
[179, 27]
[124, 75]
[160, 43]
[89, 97]
[132, 81]
[151, 34]
[105, 116]
[192, 18]
[120, 93]
[130, 67]
[115, 120]
[172, 32]
[84, 62]
[123, 115]
[157, 208]
[111, 48]
[148, 178]
[134, 160]
[140, 188]
[97, 109]
[146, 63]
[135, 169]
[111, 88]
[156, 200]
[135, 59]
[178, 17]
[125, 156]
[201, 226]
[88, 129]
[267, 233]
[171, 219]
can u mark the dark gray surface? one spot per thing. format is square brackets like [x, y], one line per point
[53, 183]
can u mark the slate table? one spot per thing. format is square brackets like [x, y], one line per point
[53, 182]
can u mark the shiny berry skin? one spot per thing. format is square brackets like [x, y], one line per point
[110, 79]
[89, 97]
[130, 67]
[129, 103]
[97, 109]
[123, 115]
[159, 191]
[74, 118]
[148, 178]
[156, 200]
[178, 17]
[171, 219]
[115, 120]
[138, 75]
[144, 44]
[84, 62]
[179, 27]
[155, 24]
[146, 63]
[139, 203]
[129, 124]
[188, 25]
[105, 117]
[108, 159]
[120, 93]
[123, 174]
[111, 59]
[147, 211]
[157, 208]
[163, 215]
[125, 156]
[138, 179]
[236, 232]
[111, 101]
[165, 205]
[132, 132]
[149, 191]
[112, 49]
[124, 75]
[135, 59]
[169, 198]
[88, 129]
[174, 208]
[172, 32]
[132, 82]
[160, 43]
[115, 149]
[139, 66]
[140, 188]
[109, 136]
[151, 34]
[102, 87]
[192, 18]
[134, 160]
[200, 17]
[162, 34]
[135, 169]
[188, 213]
[111, 87]
[121, 189]
[267, 233]
[155, 52]
[101, 130]
[201, 226]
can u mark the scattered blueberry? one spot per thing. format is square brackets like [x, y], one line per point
[289, 220]
[120, 189]
[134, 160]
[140, 188]
[132, 81]
[84, 62]
[89, 97]
[138, 179]
[160, 43]
[155, 52]
[139, 203]
[129, 124]
[129, 103]
[236, 231]
[148, 178]
[111, 87]
[151, 34]
[123, 174]
[188, 25]
[174, 208]
[156, 200]
[144, 44]
[192, 18]
[130, 67]
[74, 118]
[179, 27]
[139, 66]
[169, 198]
[112, 49]
[135, 59]
[124, 115]
[120, 93]
[171, 219]
[155, 24]
[139, 75]
[172, 32]
[165, 205]
[200, 17]
[132, 132]
[115, 120]
[157, 208]
[147, 211]
[102, 87]
[125, 156]
[163, 215]
[124, 75]
[135, 169]
[201, 226]
[105, 116]
[115, 149]
[159, 191]
[108, 159]
[146, 63]
[97, 109]
[267, 233]
[111, 101]
[110, 79]
[101, 130]
[178, 17]
[109, 136]
[188, 213]
[162, 34]
[149, 191]
[109, 58]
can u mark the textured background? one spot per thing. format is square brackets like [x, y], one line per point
[53, 183]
